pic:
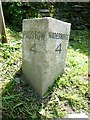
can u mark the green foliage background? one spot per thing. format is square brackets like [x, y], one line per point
[70, 91]
[15, 12]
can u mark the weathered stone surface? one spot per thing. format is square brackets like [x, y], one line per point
[45, 42]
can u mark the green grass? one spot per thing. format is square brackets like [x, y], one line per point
[68, 94]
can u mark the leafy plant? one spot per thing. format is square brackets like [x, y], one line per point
[69, 92]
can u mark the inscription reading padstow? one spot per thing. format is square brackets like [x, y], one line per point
[58, 36]
[35, 35]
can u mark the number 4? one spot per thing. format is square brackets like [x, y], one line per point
[33, 48]
[58, 48]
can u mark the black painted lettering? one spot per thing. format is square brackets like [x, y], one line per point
[58, 48]
[53, 35]
[58, 36]
[42, 36]
[33, 48]
[34, 35]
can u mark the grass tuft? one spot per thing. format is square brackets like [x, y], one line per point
[68, 94]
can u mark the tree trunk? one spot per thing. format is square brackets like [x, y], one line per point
[3, 38]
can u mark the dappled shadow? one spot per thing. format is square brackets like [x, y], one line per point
[79, 40]
[21, 101]
[14, 28]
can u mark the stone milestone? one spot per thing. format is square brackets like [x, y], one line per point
[44, 46]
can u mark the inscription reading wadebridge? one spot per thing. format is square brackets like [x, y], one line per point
[39, 35]
[58, 36]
